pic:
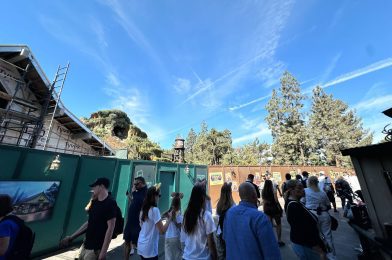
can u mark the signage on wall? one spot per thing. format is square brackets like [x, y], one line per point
[216, 178]
[31, 200]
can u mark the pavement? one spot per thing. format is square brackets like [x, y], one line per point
[345, 240]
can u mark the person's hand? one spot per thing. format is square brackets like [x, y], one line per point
[66, 241]
[133, 188]
[102, 256]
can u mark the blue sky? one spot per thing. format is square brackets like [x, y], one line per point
[172, 64]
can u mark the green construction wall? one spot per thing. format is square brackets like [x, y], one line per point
[74, 174]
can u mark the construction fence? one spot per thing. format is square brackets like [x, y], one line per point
[238, 174]
[50, 190]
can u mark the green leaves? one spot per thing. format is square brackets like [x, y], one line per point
[285, 120]
[334, 127]
[331, 127]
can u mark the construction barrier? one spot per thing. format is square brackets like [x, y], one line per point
[237, 174]
[60, 209]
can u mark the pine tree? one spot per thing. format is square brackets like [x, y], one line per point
[201, 147]
[190, 146]
[333, 126]
[285, 119]
[219, 145]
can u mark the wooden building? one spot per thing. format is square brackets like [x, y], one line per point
[31, 111]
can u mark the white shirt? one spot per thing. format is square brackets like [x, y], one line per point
[325, 183]
[173, 230]
[196, 243]
[147, 244]
[315, 199]
[208, 206]
[354, 183]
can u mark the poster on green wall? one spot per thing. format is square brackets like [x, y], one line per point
[31, 200]
[145, 171]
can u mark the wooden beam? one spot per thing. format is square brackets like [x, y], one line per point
[19, 115]
[81, 136]
[25, 103]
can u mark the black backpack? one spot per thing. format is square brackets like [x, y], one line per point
[24, 241]
[119, 226]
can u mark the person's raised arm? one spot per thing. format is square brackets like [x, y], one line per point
[77, 233]
[108, 237]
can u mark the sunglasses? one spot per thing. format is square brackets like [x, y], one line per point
[136, 183]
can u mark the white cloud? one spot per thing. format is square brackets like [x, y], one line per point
[271, 72]
[112, 79]
[131, 101]
[360, 72]
[331, 67]
[377, 104]
[182, 85]
[263, 131]
[124, 18]
[272, 19]
[249, 103]
[99, 31]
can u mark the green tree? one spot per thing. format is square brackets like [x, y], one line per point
[219, 143]
[333, 126]
[285, 120]
[253, 153]
[201, 146]
[190, 142]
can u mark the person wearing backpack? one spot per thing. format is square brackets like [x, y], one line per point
[224, 204]
[99, 228]
[16, 239]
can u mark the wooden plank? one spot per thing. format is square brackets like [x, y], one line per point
[19, 115]
[25, 103]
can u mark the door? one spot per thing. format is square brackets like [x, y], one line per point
[167, 187]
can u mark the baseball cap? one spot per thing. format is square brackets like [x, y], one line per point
[101, 181]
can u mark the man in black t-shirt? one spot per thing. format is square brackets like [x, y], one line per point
[250, 179]
[100, 225]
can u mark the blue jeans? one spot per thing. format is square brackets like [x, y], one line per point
[305, 253]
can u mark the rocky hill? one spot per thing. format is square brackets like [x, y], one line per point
[116, 129]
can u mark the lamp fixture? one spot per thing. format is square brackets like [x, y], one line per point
[55, 164]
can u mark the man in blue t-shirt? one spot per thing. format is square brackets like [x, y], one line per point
[248, 232]
[8, 228]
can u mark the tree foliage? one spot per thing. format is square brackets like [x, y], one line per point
[214, 147]
[285, 120]
[115, 128]
[333, 126]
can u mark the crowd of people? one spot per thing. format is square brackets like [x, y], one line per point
[241, 231]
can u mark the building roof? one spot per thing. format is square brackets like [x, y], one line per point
[21, 56]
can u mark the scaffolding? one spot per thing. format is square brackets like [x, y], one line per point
[31, 111]
[22, 121]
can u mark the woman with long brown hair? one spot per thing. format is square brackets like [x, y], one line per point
[151, 225]
[198, 228]
[272, 208]
[225, 202]
[173, 249]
